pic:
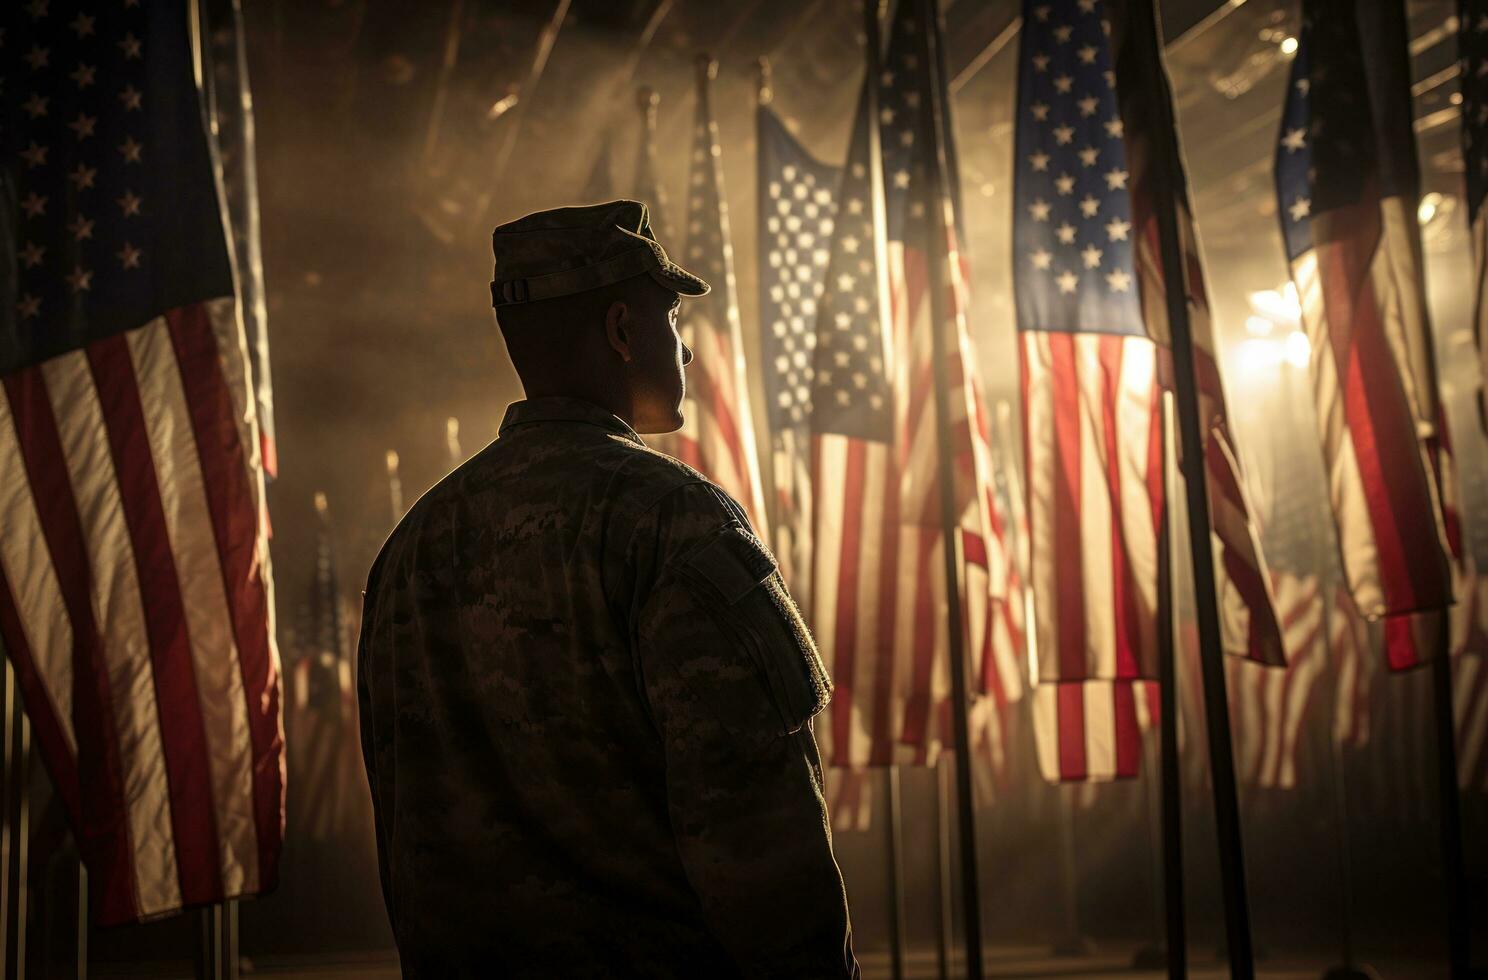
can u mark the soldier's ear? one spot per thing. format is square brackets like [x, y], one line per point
[617, 328]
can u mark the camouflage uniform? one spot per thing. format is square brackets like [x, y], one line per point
[585, 702]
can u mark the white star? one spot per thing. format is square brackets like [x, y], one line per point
[901, 178]
[1042, 12]
[1109, 76]
[130, 204]
[1063, 84]
[1039, 210]
[33, 205]
[81, 280]
[1041, 259]
[845, 283]
[1116, 179]
[1040, 62]
[29, 306]
[1118, 280]
[34, 155]
[32, 254]
[83, 76]
[1088, 155]
[886, 115]
[912, 99]
[1064, 135]
[1040, 111]
[854, 206]
[1092, 257]
[36, 106]
[1087, 54]
[82, 24]
[1088, 105]
[906, 138]
[1300, 208]
[83, 125]
[1064, 184]
[83, 176]
[1062, 33]
[81, 228]
[849, 244]
[129, 256]
[1115, 128]
[1065, 233]
[1089, 206]
[1294, 140]
[130, 45]
[131, 98]
[1067, 281]
[1039, 161]
[1087, 6]
[1304, 85]
[1116, 230]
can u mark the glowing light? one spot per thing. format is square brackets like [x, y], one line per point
[1259, 326]
[1430, 204]
[1296, 349]
[1278, 305]
[1258, 359]
[1289, 45]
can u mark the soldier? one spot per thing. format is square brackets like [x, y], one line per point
[586, 696]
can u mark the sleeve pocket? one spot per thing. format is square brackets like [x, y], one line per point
[737, 577]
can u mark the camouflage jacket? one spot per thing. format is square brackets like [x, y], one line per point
[585, 706]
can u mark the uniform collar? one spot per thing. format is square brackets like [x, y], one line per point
[560, 409]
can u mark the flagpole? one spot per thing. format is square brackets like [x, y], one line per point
[452, 441]
[1195, 483]
[1167, 679]
[937, 199]
[895, 834]
[395, 487]
[1459, 942]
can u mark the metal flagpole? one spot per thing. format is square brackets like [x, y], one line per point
[545, 42]
[1167, 679]
[452, 441]
[947, 933]
[938, 203]
[1450, 816]
[895, 834]
[395, 487]
[82, 921]
[1069, 942]
[1195, 482]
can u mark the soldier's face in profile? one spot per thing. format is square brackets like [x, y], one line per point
[659, 356]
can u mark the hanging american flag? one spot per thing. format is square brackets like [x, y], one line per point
[1091, 731]
[797, 205]
[1354, 671]
[324, 750]
[878, 593]
[718, 435]
[1347, 185]
[647, 181]
[136, 601]
[1269, 707]
[1092, 421]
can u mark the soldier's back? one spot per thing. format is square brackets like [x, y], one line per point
[518, 779]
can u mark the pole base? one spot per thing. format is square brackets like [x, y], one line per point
[1360, 972]
[1075, 945]
[1153, 956]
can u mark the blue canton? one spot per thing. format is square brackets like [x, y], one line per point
[1072, 231]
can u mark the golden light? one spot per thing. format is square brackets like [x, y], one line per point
[1259, 326]
[1296, 349]
[1430, 204]
[1289, 45]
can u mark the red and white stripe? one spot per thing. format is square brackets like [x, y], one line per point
[1355, 670]
[1268, 707]
[1091, 731]
[136, 604]
[1379, 421]
[879, 603]
[1092, 436]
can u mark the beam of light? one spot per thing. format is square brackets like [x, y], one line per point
[1296, 349]
[1259, 326]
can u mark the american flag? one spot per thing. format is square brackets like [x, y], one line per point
[879, 599]
[1269, 707]
[1355, 669]
[1347, 184]
[1092, 420]
[647, 180]
[325, 753]
[717, 436]
[797, 200]
[1470, 711]
[1091, 731]
[136, 601]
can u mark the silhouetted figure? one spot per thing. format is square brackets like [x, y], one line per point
[585, 691]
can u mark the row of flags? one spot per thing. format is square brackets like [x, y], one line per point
[1064, 554]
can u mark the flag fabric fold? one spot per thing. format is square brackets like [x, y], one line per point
[879, 596]
[136, 600]
[1347, 184]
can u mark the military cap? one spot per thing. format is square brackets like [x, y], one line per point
[572, 250]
